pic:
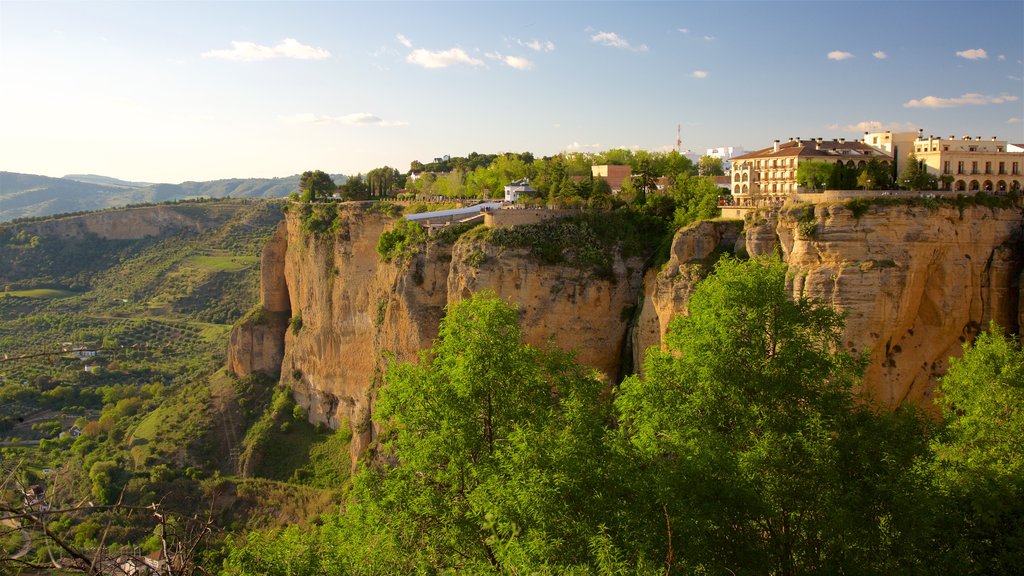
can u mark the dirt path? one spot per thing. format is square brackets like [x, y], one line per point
[26, 539]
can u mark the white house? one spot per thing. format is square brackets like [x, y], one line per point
[515, 189]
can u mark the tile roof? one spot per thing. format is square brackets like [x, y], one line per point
[812, 148]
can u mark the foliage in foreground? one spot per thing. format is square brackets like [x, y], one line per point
[740, 450]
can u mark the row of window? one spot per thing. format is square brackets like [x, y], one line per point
[1014, 169]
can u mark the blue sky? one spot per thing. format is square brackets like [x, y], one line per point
[167, 92]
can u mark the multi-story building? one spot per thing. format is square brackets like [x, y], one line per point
[768, 176]
[615, 175]
[899, 145]
[972, 164]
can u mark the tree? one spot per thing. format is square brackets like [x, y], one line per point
[355, 188]
[696, 198]
[758, 454]
[710, 166]
[874, 176]
[978, 462]
[496, 447]
[315, 184]
[814, 174]
[915, 176]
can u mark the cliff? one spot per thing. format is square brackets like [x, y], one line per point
[915, 282]
[351, 312]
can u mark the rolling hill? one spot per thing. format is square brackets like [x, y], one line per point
[30, 195]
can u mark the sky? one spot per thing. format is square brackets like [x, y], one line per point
[176, 91]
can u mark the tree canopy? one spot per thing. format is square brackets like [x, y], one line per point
[315, 184]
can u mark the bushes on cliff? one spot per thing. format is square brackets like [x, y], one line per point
[401, 241]
[588, 241]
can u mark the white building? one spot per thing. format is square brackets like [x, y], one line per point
[726, 153]
[517, 188]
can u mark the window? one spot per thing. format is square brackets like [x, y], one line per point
[945, 148]
[1002, 167]
[973, 148]
[960, 167]
[945, 167]
[988, 167]
[1015, 169]
[974, 167]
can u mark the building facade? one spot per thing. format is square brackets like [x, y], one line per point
[971, 164]
[768, 176]
[614, 174]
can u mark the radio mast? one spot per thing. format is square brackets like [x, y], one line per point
[679, 138]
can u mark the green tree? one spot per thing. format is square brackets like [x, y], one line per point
[758, 454]
[978, 464]
[875, 176]
[915, 176]
[355, 188]
[710, 166]
[315, 184]
[495, 445]
[814, 174]
[696, 198]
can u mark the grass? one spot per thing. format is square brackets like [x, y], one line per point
[222, 263]
[39, 293]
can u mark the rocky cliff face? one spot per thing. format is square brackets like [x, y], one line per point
[561, 305]
[915, 282]
[357, 311]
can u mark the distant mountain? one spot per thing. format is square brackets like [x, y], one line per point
[106, 180]
[29, 195]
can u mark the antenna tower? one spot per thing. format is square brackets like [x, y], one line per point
[679, 138]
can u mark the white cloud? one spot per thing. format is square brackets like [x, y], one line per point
[356, 119]
[517, 62]
[441, 58]
[403, 40]
[839, 55]
[880, 55]
[1014, 120]
[615, 41]
[1014, 78]
[969, 99]
[537, 45]
[875, 126]
[709, 38]
[973, 54]
[700, 74]
[684, 30]
[578, 146]
[252, 52]
[1001, 57]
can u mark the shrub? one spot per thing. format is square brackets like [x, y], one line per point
[403, 240]
[296, 323]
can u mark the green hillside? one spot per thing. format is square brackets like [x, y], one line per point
[29, 195]
[112, 386]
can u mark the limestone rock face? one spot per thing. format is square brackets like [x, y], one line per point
[667, 292]
[914, 282]
[562, 305]
[258, 347]
[357, 311]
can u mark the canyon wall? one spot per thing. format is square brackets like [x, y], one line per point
[915, 282]
[352, 313]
